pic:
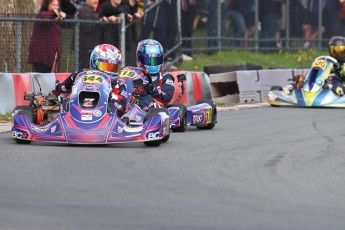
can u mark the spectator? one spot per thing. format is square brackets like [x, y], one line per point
[131, 8]
[310, 25]
[238, 23]
[110, 11]
[296, 10]
[45, 45]
[90, 34]
[269, 15]
[154, 21]
[68, 7]
[212, 25]
[188, 12]
[331, 14]
[247, 9]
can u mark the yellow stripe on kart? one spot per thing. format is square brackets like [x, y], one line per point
[309, 97]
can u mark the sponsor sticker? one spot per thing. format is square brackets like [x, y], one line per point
[53, 129]
[133, 129]
[38, 129]
[97, 113]
[86, 117]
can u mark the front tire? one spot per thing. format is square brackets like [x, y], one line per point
[182, 114]
[276, 88]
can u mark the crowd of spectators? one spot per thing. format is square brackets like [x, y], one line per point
[160, 23]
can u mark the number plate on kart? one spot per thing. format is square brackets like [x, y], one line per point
[93, 79]
[319, 64]
[128, 74]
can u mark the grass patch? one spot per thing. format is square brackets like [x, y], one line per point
[298, 59]
[5, 117]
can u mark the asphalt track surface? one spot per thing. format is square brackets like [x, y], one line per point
[262, 168]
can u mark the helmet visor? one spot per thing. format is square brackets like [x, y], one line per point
[108, 67]
[151, 60]
[337, 51]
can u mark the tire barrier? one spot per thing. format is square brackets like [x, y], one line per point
[14, 85]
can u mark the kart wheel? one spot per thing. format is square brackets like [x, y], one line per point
[153, 143]
[166, 138]
[183, 118]
[214, 114]
[26, 111]
[277, 88]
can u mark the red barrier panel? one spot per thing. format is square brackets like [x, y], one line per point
[184, 98]
[61, 76]
[22, 83]
[197, 85]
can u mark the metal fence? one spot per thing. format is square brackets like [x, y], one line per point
[16, 33]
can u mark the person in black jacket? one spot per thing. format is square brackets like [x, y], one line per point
[89, 34]
[336, 50]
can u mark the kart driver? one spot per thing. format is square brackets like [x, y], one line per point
[150, 59]
[105, 58]
[336, 50]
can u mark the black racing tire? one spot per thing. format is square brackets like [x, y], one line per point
[214, 114]
[183, 118]
[28, 112]
[276, 88]
[166, 138]
[274, 105]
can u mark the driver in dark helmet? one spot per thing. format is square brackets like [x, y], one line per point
[336, 50]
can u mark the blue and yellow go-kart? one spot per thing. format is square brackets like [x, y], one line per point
[312, 91]
[86, 118]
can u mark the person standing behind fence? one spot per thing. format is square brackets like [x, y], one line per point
[90, 34]
[310, 25]
[237, 21]
[188, 13]
[45, 45]
[212, 26]
[269, 15]
[131, 8]
[155, 21]
[110, 11]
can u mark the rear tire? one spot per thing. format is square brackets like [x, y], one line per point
[182, 114]
[276, 88]
[214, 114]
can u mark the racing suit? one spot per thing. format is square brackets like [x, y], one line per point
[162, 88]
[117, 99]
[339, 79]
[143, 99]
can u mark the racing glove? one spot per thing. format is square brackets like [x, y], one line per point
[68, 83]
[150, 88]
[339, 91]
[342, 71]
